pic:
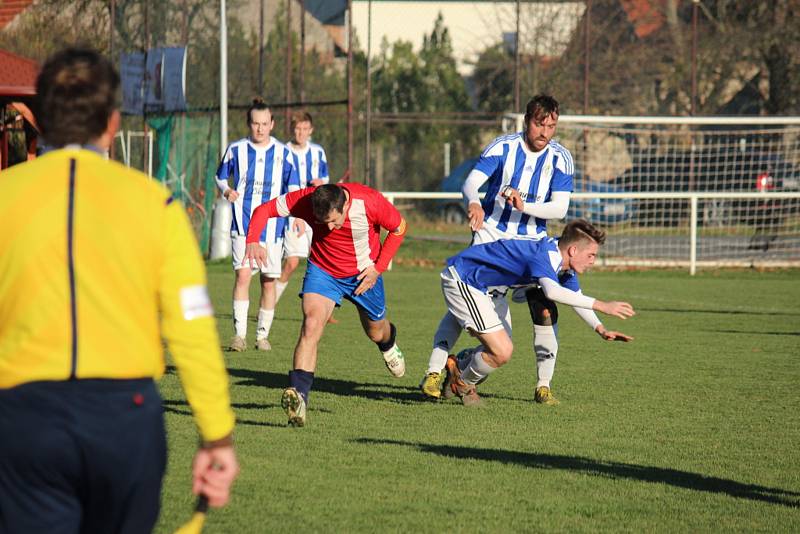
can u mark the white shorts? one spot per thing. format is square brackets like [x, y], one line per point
[294, 244]
[272, 268]
[490, 234]
[472, 308]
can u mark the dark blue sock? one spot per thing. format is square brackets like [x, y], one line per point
[301, 381]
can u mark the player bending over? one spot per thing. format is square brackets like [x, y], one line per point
[346, 261]
[553, 264]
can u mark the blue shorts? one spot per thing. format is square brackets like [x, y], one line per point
[372, 301]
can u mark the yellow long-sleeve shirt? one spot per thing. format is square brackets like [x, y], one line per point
[97, 265]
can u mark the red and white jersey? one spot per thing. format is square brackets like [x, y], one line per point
[348, 250]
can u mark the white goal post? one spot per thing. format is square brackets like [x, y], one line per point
[693, 192]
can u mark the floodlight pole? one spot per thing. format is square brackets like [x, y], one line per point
[261, 49]
[112, 21]
[367, 178]
[302, 67]
[587, 27]
[287, 112]
[223, 79]
[516, 64]
[695, 5]
[349, 89]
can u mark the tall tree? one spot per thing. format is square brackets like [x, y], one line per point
[429, 83]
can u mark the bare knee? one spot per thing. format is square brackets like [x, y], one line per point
[501, 354]
[313, 325]
[376, 332]
[504, 354]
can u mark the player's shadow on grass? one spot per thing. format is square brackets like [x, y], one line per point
[613, 470]
[170, 407]
[348, 388]
[225, 317]
[721, 312]
[755, 332]
[375, 391]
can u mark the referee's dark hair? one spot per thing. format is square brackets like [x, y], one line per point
[258, 104]
[326, 198]
[539, 107]
[76, 94]
[581, 230]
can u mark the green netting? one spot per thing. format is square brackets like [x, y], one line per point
[185, 157]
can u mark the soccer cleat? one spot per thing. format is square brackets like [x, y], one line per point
[467, 392]
[431, 385]
[263, 344]
[238, 344]
[294, 406]
[543, 395]
[395, 363]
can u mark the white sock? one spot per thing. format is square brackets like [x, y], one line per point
[545, 344]
[280, 287]
[265, 318]
[437, 360]
[477, 370]
[443, 342]
[240, 308]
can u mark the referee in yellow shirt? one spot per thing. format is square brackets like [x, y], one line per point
[98, 264]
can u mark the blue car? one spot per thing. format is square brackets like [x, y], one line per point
[600, 211]
[603, 211]
[452, 209]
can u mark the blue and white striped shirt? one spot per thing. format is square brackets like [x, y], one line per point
[507, 161]
[311, 163]
[259, 174]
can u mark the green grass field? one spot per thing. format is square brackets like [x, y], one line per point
[694, 426]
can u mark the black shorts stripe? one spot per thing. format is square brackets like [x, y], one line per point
[471, 305]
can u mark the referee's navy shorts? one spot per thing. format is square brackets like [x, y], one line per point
[81, 456]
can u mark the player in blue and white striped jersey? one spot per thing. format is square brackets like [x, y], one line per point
[312, 168]
[530, 181]
[255, 170]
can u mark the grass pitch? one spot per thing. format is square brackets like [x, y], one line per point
[694, 426]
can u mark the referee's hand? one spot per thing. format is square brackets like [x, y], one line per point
[213, 473]
[255, 256]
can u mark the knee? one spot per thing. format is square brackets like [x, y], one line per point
[502, 354]
[313, 326]
[375, 333]
[242, 278]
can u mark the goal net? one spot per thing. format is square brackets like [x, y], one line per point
[670, 191]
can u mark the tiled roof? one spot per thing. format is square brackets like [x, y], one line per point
[9, 9]
[17, 75]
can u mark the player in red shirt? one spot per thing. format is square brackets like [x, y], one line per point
[345, 261]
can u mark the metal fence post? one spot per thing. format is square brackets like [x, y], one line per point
[693, 236]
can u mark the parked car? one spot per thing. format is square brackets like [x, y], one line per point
[602, 211]
[713, 171]
[452, 209]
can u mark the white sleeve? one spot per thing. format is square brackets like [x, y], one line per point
[556, 208]
[589, 317]
[471, 185]
[557, 293]
[222, 184]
